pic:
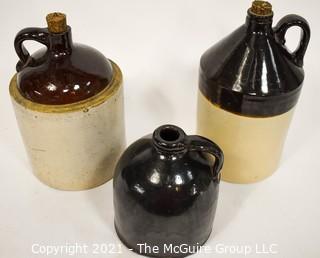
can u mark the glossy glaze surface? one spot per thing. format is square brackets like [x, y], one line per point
[62, 73]
[248, 87]
[166, 189]
[251, 72]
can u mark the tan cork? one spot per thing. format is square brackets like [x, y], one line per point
[57, 22]
[261, 8]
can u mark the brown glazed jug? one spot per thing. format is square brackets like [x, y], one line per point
[165, 192]
[68, 103]
[249, 84]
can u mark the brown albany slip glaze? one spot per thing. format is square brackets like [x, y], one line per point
[62, 73]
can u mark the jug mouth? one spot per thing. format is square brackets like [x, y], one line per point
[169, 138]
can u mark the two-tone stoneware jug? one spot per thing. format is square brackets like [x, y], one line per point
[68, 101]
[249, 84]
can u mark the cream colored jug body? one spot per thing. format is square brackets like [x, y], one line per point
[252, 146]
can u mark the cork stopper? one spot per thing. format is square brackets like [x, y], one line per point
[261, 8]
[57, 22]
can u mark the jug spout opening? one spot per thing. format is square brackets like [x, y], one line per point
[169, 138]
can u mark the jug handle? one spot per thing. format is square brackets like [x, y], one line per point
[280, 31]
[40, 35]
[201, 144]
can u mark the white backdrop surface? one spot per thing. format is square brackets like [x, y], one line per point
[158, 45]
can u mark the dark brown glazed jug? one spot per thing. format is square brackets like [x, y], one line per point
[249, 84]
[165, 192]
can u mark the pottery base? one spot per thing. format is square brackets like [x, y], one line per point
[136, 250]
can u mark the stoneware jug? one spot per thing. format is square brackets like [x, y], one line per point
[165, 192]
[249, 84]
[68, 102]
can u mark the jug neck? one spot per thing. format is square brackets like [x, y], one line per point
[169, 140]
[257, 24]
[59, 35]
[259, 18]
[60, 44]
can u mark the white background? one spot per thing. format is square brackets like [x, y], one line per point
[158, 45]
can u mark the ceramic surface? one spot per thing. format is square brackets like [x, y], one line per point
[166, 190]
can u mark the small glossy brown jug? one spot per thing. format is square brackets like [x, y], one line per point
[68, 102]
[249, 84]
[165, 192]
